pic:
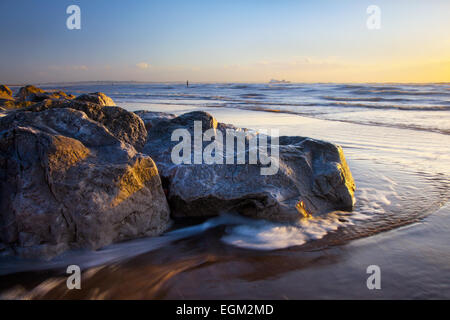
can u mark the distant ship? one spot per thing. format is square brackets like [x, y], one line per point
[274, 81]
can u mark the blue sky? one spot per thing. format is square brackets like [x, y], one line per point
[215, 40]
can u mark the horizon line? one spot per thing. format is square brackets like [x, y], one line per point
[220, 82]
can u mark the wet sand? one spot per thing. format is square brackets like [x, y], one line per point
[413, 261]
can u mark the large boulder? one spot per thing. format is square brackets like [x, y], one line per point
[97, 98]
[124, 125]
[69, 182]
[313, 177]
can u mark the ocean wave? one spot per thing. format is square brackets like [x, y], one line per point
[249, 105]
[311, 100]
[264, 235]
[399, 92]
[253, 96]
[408, 126]
[239, 86]
[393, 107]
[326, 116]
[368, 87]
[371, 99]
[249, 99]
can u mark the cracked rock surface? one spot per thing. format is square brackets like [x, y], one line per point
[71, 177]
[311, 171]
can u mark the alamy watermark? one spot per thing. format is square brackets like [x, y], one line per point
[73, 22]
[374, 280]
[250, 148]
[374, 20]
[74, 280]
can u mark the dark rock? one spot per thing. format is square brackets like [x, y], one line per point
[124, 125]
[311, 171]
[150, 118]
[68, 182]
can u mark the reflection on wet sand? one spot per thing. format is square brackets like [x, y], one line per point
[202, 267]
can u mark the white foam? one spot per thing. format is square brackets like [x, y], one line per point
[265, 235]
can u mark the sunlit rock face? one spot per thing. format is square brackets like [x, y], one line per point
[124, 125]
[29, 93]
[34, 94]
[27, 96]
[310, 171]
[98, 98]
[8, 102]
[5, 97]
[5, 91]
[70, 181]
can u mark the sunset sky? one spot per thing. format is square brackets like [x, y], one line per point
[225, 41]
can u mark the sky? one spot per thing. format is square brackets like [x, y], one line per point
[225, 41]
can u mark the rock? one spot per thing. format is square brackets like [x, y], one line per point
[150, 118]
[30, 94]
[5, 91]
[14, 104]
[124, 125]
[311, 171]
[68, 182]
[59, 95]
[6, 99]
[98, 98]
